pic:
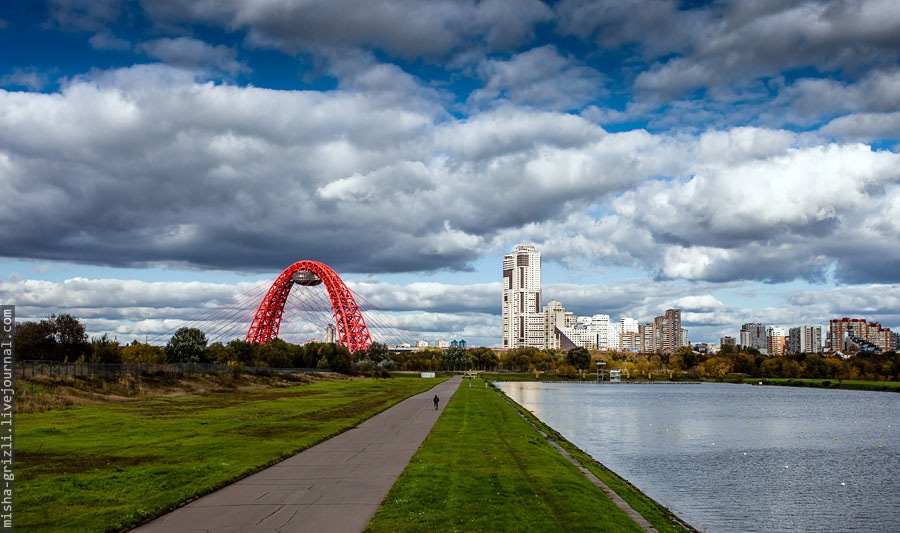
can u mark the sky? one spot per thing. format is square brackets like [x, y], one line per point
[737, 160]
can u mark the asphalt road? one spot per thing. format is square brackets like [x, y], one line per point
[336, 486]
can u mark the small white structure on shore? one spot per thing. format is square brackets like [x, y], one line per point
[615, 376]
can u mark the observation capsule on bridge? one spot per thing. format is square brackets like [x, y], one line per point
[306, 278]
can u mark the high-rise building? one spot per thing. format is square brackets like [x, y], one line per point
[753, 335]
[667, 331]
[805, 339]
[630, 341]
[775, 341]
[522, 318]
[628, 324]
[871, 332]
[648, 337]
[600, 327]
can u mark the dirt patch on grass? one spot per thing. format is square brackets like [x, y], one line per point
[344, 411]
[43, 393]
[37, 463]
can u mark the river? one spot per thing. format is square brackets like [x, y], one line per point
[742, 458]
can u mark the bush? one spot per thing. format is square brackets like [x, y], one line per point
[565, 370]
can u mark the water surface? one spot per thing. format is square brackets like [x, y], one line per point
[737, 457]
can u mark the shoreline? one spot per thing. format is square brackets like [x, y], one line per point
[566, 448]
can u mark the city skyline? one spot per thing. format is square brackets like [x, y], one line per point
[740, 162]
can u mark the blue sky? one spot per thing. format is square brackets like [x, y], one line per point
[739, 160]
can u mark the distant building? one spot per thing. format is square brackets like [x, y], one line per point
[753, 335]
[869, 332]
[628, 337]
[630, 341]
[522, 318]
[665, 335]
[556, 320]
[647, 334]
[600, 328]
[563, 330]
[628, 325]
[443, 344]
[775, 341]
[805, 339]
[727, 341]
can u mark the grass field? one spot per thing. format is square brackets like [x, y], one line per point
[485, 468]
[111, 466]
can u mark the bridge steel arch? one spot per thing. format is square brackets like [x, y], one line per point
[350, 325]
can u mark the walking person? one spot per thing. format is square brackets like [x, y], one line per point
[436, 401]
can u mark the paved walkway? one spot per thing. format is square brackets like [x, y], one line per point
[334, 486]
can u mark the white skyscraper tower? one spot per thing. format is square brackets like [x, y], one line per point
[523, 319]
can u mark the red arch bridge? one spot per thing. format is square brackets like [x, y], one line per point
[350, 325]
[311, 302]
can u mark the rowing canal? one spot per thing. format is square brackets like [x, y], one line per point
[729, 457]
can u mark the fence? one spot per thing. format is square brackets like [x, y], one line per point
[74, 370]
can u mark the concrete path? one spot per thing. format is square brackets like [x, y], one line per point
[335, 486]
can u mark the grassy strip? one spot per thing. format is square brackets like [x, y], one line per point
[484, 468]
[111, 467]
[659, 517]
[850, 384]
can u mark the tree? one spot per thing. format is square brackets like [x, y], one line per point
[377, 352]
[105, 350]
[217, 353]
[275, 353]
[455, 358]
[35, 340]
[70, 336]
[579, 358]
[58, 338]
[743, 363]
[688, 359]
[146, 354]
[340, 360]
[241, 352]
[186, 346]
[715, 367]
[484, 358]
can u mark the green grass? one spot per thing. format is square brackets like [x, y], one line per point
[484, 468]
[852, 384]
[110, 467]
[659, 517]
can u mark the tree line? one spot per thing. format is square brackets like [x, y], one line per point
[63, 338]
